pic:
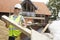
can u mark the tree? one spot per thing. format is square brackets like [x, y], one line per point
[54, 6]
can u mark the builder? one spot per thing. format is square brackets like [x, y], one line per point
[13, 32]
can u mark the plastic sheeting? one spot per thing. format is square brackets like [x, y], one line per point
[55, 29]
[38, 36]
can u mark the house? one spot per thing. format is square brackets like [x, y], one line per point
[34, 9]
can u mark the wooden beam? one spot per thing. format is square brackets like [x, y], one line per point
[35, 18]
[26, 31]
[45, 28]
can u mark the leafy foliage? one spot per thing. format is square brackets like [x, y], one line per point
[54, 6]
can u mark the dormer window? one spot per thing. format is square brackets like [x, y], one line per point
[28, 6]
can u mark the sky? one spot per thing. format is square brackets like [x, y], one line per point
[45, 1]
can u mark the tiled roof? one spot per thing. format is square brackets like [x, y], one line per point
[7, 5]
[42, 8]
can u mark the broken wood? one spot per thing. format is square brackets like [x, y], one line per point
[26, 31]
[3, 31]
[34, 35]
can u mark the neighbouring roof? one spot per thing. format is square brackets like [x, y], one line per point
[7, 5]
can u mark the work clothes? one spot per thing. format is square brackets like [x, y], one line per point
[12, 30]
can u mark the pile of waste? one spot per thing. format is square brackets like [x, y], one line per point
[3, 31]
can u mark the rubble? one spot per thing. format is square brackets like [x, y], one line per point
[3, 31]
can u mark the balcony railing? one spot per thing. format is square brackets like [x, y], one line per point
[28, 14]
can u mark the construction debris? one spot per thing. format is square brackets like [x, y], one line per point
[26, 31]
[3, 31]
[34, 35]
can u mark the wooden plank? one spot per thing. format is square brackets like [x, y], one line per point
[35, 18]
[45, 28]
[38, 36]
[23, 29]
